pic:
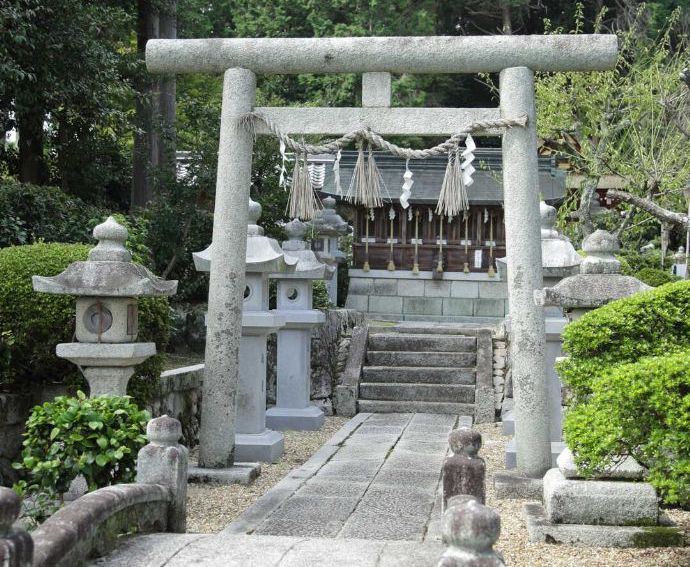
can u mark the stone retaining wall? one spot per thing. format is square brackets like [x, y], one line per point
[401, 296]
[501, 366]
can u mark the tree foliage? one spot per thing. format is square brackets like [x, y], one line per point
[630, 122]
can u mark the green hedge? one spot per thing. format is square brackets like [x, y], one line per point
[640, 409]
[647, 324]
[629, 372]
[31, 213]
[36, 322]
[656, 277]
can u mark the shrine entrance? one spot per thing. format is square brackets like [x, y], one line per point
[514, 57]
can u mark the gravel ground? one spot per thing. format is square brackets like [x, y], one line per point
[211, 508]
[519, 553]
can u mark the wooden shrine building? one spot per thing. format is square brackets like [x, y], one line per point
[458, 277]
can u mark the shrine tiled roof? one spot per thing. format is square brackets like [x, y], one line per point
[428, 176]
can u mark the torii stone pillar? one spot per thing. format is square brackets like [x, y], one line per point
[515, 56]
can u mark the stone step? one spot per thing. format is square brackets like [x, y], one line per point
[418, 375]
[417, 392]
[421, 343]
[467, 330]
[421, 359]
[391, 406]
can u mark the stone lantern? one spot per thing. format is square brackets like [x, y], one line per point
[253, 441]
[292, 409]
[329, 226]
[680, 266]
[107, 286]
[599, 282]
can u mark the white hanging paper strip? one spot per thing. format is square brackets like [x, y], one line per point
[317, 175]
[468, 154]
[372, 216]
[431, 214]
[336, 173]
[486, 215]
[406, 186]
[283, 181]
[409, 214]
[391, 213]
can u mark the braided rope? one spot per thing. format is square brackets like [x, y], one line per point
[375, 139]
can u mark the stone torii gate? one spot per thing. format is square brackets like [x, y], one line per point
[515, 57]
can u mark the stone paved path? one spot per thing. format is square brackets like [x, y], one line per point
[370, 497]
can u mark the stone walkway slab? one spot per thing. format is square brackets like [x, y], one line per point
[380, 482]
[370, 497]
[174, 550]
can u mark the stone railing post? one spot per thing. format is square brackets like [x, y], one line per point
[470, 530]
[16, 546]
[164, 461]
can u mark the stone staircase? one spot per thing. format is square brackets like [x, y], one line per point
[431, 369]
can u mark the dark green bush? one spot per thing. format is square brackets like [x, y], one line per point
[629, 372]
[640, 409]
[32, 213]
[647, 324]
[98, 438]
[655, 277]
[38, 321]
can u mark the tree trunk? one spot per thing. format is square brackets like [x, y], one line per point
[167, 144]
[506, 23]
[145, 152]
[32, 166]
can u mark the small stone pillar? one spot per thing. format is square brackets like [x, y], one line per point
[164, 461]
[464, 472]
[292, 409]
[253, 441]
[106, 286]
[470, 529]
[16, 546]
[680, 266]
[329, 227]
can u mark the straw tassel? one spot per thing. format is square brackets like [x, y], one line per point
[452, 199]
[302, 202]
[366, 183]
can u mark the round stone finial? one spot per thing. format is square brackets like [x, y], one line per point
[164, 430]
[111, 238]
[296, 229]
[548, 220]
[599, 247]
[254, 214]
[10, 507]
[601, 242]
[679, 257]
[254, 211]
[470, 525]
[465, 441]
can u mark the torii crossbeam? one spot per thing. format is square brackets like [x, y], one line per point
[515, 57]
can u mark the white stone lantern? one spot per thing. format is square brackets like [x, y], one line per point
[329, 227]
[292, 409]
[253, 441]
[106, 286]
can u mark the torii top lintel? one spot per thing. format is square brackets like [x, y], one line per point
[434, 54]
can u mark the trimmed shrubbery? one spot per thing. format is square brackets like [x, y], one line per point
[656, 277]
[629, 374]
[31, 323]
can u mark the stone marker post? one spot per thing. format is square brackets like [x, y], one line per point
[470, 530]
[464, 472]
[16, 546]
[226, 285]
[523, 249]
[164, 461]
